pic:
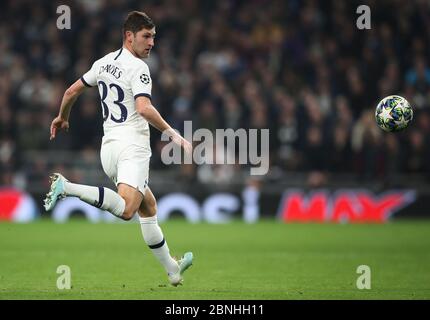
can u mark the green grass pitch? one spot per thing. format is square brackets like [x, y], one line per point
[267, 260]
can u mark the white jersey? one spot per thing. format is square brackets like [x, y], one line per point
[121, 78]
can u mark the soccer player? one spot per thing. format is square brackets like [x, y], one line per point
[124, 84]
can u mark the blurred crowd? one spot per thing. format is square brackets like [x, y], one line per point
[300, 68]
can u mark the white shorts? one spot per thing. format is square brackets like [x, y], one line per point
[126, 163]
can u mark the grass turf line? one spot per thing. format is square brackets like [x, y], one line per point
[267, 260]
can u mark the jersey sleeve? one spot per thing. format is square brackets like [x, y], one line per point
[89, 78]
[141, 83]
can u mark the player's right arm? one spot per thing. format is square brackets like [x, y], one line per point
[69, 98]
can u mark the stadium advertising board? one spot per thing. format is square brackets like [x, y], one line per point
[342, 206]
[294, 205]
[17, 206]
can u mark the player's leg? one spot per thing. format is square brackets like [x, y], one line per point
[122, 204]
[154, 238]
[99, 197]
[152, 234]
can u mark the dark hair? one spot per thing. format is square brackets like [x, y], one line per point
[136, 21]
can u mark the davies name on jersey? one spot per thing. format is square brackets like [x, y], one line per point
[112, 69]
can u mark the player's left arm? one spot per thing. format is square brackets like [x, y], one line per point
[145, 108]
[141, 86]
[69, 98]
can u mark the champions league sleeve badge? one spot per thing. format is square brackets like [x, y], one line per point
[145, 78]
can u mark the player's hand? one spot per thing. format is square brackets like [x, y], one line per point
[58, 123]
[183, 143]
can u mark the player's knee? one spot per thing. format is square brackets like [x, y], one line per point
[128, 213]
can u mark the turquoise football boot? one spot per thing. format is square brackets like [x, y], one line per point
[184, 263]
[56, 191]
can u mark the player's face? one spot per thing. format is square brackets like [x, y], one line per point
[143, 41]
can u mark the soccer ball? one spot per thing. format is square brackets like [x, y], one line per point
[393, 113]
